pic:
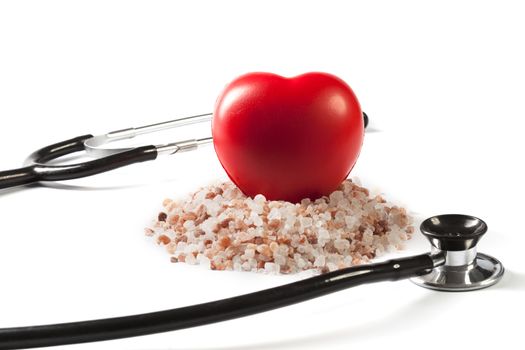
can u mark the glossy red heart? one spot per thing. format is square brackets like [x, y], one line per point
[287, 138]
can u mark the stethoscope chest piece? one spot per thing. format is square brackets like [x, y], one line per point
[454, 238]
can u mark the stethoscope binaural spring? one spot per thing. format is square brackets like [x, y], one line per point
[453, 263]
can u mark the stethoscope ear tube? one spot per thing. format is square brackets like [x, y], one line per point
[39, 171]
[18, 177]
[28, 174]
[59, 149]
[216, 311]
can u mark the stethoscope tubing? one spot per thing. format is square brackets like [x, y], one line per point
[39, 171]
[216, 311]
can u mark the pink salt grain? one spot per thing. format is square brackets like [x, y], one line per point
[219, 227]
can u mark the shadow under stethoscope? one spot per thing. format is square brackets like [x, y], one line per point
[511, 281]
[64, 186]
[401, 319]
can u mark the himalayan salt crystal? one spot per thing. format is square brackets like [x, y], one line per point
[306, 222]
[271, 268]
[274, 214]
[255, 206]
[256, 219]
[163, 239]
[351, 221]
[320, 261]
[264, 249]
[331, 267]
[260, 199]
[189, 225]
[203, 260]
[323, 236]
[220, 228]
[279, 259]
[249, 253]
[190, 259]
[341, 244]
[336, 196]
[181, 246]
[225, 241]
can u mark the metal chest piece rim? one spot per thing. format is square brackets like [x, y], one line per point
[484, 271]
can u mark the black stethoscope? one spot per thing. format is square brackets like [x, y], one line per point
[453, 263]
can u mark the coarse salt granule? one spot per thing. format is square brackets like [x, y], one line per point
[219, 227]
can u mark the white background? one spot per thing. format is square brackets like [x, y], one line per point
[443, 82]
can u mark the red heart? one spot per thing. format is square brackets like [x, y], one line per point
[287, 138]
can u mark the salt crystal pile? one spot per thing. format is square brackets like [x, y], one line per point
[218, 226]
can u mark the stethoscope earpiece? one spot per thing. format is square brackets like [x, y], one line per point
[365, 119]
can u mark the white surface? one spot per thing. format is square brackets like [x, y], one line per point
[443, 82]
